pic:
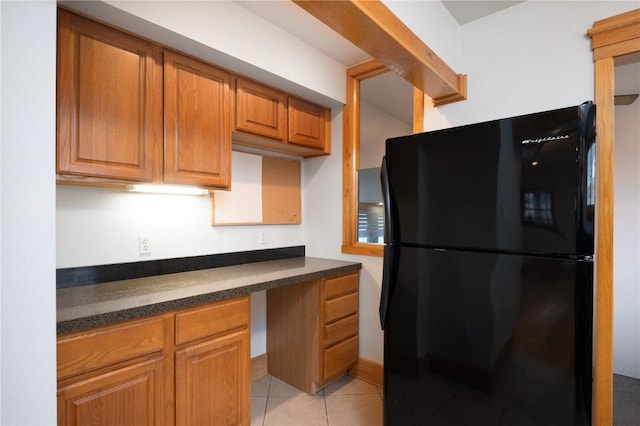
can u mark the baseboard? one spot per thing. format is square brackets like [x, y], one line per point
[259, 366]
[368, 371]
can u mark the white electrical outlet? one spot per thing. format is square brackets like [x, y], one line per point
[262, 237]
[144, 244]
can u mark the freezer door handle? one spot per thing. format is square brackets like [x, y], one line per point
[389, 267]
[386, 201]
[389, 276]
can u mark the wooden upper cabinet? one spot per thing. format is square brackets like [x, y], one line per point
[197, 122]
[272, 120]
[261, 110]
[308, 124]
[109, 101]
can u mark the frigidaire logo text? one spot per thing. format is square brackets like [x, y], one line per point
[547, 139]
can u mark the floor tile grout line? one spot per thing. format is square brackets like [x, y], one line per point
[266, 404]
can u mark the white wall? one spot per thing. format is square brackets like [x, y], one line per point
[626, 302]
[375, 127]
[27, 209]
[534, 56]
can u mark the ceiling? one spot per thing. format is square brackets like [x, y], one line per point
[296, 21]
[467, 11]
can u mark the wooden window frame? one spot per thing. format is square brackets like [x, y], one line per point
[351, 153]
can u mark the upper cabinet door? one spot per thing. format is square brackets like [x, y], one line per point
[197, 122]
[308, 124]
[261, 110]
[109, 102]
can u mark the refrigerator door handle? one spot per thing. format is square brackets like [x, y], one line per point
[389, 268]
[386, 201]
[389, 276]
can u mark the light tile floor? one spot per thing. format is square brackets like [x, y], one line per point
[345, 402]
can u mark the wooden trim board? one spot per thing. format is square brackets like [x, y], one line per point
[368, 371]
[611, 39]
[259, 366]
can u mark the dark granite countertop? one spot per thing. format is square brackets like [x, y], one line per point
[84, 307]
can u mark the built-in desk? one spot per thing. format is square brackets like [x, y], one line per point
[150, 350]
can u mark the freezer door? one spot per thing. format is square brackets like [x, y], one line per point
[477, 339]
[523, 184]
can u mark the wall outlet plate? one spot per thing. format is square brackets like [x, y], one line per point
[144, 244]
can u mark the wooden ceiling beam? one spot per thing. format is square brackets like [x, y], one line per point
[372, 27]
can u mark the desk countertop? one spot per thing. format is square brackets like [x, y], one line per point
[88, 306]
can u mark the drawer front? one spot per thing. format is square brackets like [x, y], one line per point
[91, 350]
[212, 319]
[340, 357]
[340, 307]
[340, 330]
[337, 286]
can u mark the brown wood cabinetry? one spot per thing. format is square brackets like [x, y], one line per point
[184, 367]
[315, 323]
[109, 100]
[127, 395]
[308, 124]
[269, 119]
[212, 364]
[116, 92]
[197, 146]
[260, 109]
[110, 111]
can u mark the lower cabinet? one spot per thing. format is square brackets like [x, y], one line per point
[186, 367]
[315, 324]
[128, 395]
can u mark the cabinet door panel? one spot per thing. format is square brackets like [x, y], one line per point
[109, 101]
[128, 396]
[307, 124]
[197, 123]
[212, 382]
[261, 110]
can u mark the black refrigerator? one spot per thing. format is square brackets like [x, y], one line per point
[487, 288]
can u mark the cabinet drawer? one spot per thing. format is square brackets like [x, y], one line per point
[340, 307]
[212, 319]
[340, 330]
[340, 357]
[337, 286]
[107, 346]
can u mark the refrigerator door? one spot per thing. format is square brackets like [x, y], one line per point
[522, 184]
[476, 338]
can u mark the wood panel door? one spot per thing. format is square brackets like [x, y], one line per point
[308, 124]
[261, 110]
[197, 122]
[131, 395]
[212, 382]
[109, 102]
